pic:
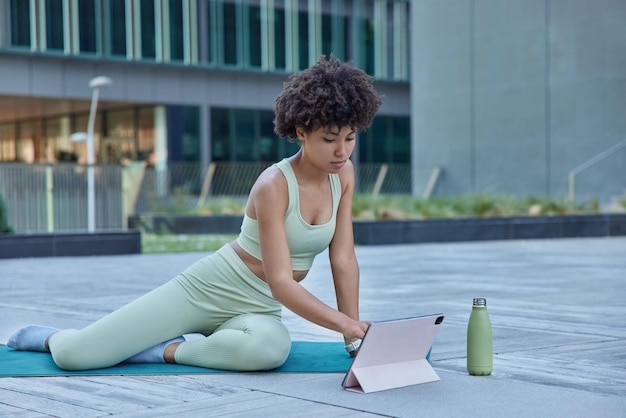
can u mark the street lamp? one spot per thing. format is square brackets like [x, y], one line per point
[95, 84]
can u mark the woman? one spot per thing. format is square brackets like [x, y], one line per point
[296, 209]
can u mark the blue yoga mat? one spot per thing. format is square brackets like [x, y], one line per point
[305, 357]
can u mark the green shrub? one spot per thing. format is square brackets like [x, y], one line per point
[480, 205]
[4, 223]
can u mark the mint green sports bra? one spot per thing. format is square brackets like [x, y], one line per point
[305, 241]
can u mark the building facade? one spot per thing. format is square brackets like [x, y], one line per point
[193, 80]
[513, 96]
[506, 96]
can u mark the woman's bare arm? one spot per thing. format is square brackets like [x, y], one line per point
[343, 261]
[270, 199]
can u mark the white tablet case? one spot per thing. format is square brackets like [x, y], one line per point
[393, 354]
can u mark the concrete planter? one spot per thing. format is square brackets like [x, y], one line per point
[480, 229]
[416, 231]
[70, 244]
[186, 224]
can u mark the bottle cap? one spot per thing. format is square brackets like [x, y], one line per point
[479, 302]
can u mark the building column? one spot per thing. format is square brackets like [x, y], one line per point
[160, 150]
[414, 115]
[205, 135]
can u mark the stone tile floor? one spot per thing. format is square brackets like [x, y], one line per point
[557, 309]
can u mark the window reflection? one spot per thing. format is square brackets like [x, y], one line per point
[20, 23]
[87, 26]
[115, 16]
[176, 30]
[54, 24]
[148, 38]
[273, 35]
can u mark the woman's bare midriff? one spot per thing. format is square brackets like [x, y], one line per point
[256, 266]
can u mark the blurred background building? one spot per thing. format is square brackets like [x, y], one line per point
[505, 96]
[203, 74]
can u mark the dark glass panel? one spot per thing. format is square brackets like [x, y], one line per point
[303, 39]
[367, 46]
[117, 27]
[268, 142]
[372, 145]
[211, 31]
[54, 24]
[220, 134]
[245, 135]
[148, 44]
[176, 30]
[190, 148]
[400, 142]
[87, 26]
[327, 35]
[254, 25]
[229, 34]
[279, 35]
[20, 23]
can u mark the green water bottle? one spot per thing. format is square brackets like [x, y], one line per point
[479, 340]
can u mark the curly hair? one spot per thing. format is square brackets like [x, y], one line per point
[330, 93]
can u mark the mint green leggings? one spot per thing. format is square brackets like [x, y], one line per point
[217, 296]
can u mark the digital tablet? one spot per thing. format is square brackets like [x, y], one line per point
[393, 354]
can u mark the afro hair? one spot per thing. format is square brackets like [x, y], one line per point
[330, 93]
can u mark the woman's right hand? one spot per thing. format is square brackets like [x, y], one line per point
[356, 331]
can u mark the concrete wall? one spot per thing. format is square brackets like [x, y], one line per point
[509, 96]
[59, 77]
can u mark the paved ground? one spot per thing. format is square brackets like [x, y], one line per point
[557, 308]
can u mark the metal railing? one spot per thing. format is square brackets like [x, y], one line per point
[53, 197]
[590, 163]
[46, 198]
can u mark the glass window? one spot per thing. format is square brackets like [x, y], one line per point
[342, 39]
[372, 147]
[220, 134]
[211, 32]
[245, 135]
[29, 142]
[288, 148]
[176, 30]
[335, 36]
[268, 142]
[303, 39]
[20, 23]
[8, 143]
[386, 141]
[87, 26]
[118, 144]
[399, 41]
[54, 24]
[254, 35]
[400, 140]
[327, 35]
[116, 28]
[145, 133]
[148, 45]
[229, 33]
[79, 124]
[335, 26]
[279, 39]
[366, 45]
[57, 143]
[190, 147]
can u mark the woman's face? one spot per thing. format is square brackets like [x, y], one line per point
[328, 147]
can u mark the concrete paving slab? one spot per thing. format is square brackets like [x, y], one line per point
[455, 395]
[556, 306]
